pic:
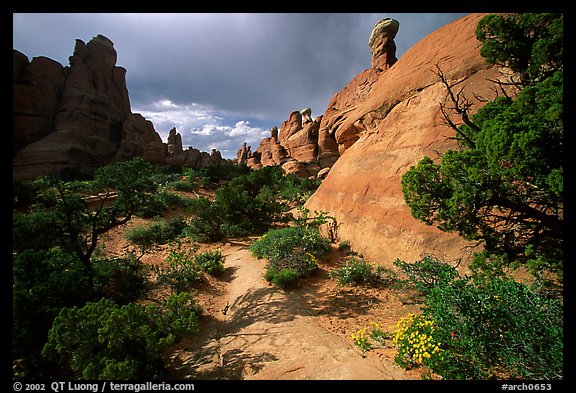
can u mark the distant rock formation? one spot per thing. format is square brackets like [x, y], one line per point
[294, 147]
[386, 120]
[73, 120]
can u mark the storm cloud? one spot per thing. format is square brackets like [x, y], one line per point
[225, 78]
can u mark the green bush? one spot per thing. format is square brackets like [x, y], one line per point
[122, 280]
[292, 252]
[206, 224]
[247, 204]
[159, 232]
[282, 278]
[179, 271]
[105, 341]
[211, 262]
[43, 283]
[496, 328]
[426, 273]
[354, 272]
[357, 271]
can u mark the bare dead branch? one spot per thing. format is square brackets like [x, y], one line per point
[461, 106]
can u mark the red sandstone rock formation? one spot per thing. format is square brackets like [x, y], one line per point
[386, 121]
[78, 118]
[295, 146]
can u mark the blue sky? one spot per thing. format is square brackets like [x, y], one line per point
[225, 78]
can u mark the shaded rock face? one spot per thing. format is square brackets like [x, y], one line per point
[386, 121]
[76, 119]
[37, 88]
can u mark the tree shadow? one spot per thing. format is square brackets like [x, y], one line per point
[268, 304]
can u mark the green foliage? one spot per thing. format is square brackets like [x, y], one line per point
[179, 271]
[292, 253]
[207, 223]
[105, 341]
[494, 327]
[246, 204]
[43, 283]
[506, 188]
[357, 271]
[122, 280]
[38, 229]
[530, 44]
[213, 175]
[281, 277]
[75, 224]
[211, 262]
[426, 273]
[159, 232]
[354, 272]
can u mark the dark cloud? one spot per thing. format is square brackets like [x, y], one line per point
[236, 67]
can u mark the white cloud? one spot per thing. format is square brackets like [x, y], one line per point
[202, 127]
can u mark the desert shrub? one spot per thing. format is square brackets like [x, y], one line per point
[280, 244]
[213, 175]
[43, 283]
[492, 328]
[250, 202]
[179, 271]
[211, 262]
[425, 273]
[292, 252]
[206, 222]
[297, 189]
[357, 271]
[354, 272]
[181, 185]
[122, 280]
[281, 277]
[36, 230]
[105, 341]
[158, 232]
[344, 245]
[247, 204]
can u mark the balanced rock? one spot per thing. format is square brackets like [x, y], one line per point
[382, 43]
[306, 115]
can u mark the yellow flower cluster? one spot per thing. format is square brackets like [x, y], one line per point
[360, 340]
[359, 335]
[415, 337]
[312, 258]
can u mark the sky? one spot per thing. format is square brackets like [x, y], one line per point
[225, 78]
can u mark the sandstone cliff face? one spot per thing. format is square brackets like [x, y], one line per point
[386, 121]
[78, 118]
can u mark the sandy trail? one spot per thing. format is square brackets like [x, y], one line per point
[268, 333]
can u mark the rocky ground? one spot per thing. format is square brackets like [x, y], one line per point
[252, 330]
